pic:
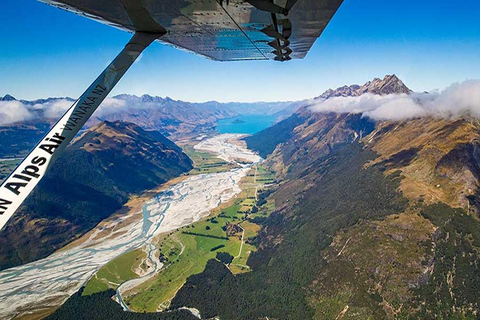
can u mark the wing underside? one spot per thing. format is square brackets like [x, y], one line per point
[219, 29]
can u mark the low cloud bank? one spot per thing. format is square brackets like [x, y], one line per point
[457, 100]
[53, 109]
[56, 109]
[16, 111]
[13, 111]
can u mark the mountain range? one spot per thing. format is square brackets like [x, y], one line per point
[175, 119]
[375, 218]
[391, 84]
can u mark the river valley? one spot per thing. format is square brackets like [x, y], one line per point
[47, 283]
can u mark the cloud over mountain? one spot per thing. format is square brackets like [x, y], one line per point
[171, 117]
[56, 108]
[380, 99]
[457, 100]
[13, 111]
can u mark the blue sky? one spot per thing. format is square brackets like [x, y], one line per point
[429, 44]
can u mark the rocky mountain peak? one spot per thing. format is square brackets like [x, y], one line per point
[390, 84]
[8, 98]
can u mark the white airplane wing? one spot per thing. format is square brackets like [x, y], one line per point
[220, 29]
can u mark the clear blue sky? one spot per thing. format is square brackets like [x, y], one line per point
[47, 52]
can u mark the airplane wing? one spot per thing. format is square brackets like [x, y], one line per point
[219, 29]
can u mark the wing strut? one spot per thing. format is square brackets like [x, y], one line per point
[32, 169]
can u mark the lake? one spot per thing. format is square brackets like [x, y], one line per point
[246, 124]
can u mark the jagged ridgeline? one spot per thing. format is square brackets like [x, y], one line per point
[94, 178]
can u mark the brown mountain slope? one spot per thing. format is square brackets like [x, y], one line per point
[420, 263]
[438, 157]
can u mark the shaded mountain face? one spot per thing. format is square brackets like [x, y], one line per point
[373, 220]
[17, 141]
[7, 98]
[93, 179]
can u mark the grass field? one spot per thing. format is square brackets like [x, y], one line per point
[205, 162]
[185, 252]
[115, 272]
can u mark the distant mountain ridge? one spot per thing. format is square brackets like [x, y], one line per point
[174, 118]
[8, 97]
[390, 84]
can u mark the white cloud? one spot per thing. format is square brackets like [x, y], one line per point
[457, 100]
[398, 107]
[54, 109]
[13, 111]
[111, 105]
[16, 111]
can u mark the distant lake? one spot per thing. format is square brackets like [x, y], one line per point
[247, 124]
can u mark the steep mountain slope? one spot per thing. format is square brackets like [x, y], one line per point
[265, 142]
[373, 220]
[93, 178]
[419, 264]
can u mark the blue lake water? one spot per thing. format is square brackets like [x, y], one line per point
[246, 124]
